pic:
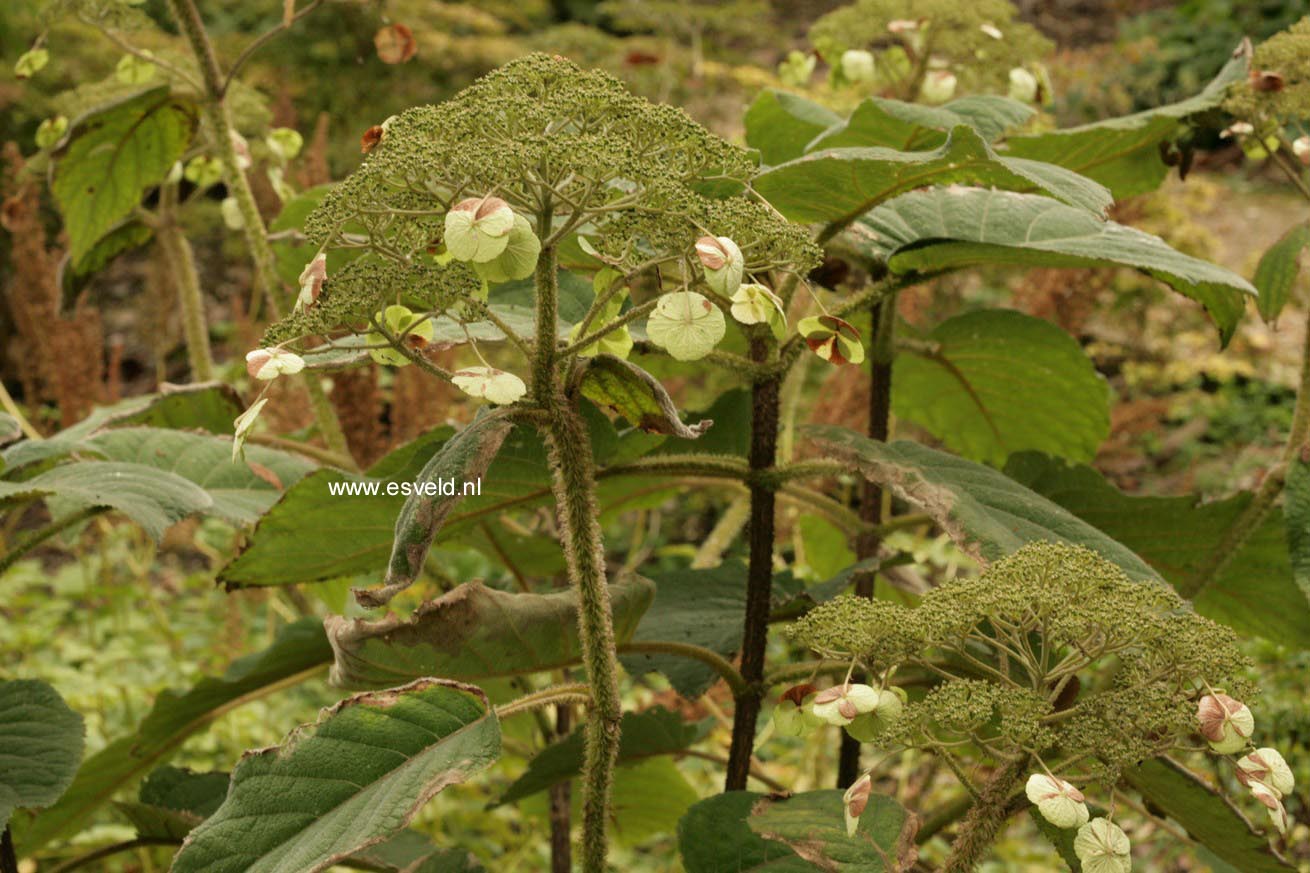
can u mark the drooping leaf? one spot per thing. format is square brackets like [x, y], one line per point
[464, 458]
[993, 382]
[700, 607]
[1255, 593]
[895, 124]
[643, 735]
[813, 825]
[411, 852]
[300, 651]
[949, 228]
[839, 184]
[208, 406]
[780, 124]
[713, 836]
[1208, 816]
[41, 743]
[74, 276]
[1124, 153]
[989, 514]
[152, 498]
[474, 632]
[404, 746]
[637, 396]
[1275, 275]
[113, 156]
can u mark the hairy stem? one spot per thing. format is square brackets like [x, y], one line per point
[985, 818]
[573, 477]
[181, 263]
[561, 805]
[261, 252]
[759, 574]
[868, 543]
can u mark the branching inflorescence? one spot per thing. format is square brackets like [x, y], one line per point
[1052, 657]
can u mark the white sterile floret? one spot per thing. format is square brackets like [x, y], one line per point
[311, 282]
[855, 801]
[268, 364]
[857, 65]
[1271, 801]
[1023, 85]
[686, 325]
[755, 304]
[1269, 767]
[494, 385]
[477, 229]
[1226, 723]
[840, 704]
[1103, 847]
[723, 263]
[1058, 801]
[244, 423]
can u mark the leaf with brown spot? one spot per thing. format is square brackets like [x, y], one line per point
[637, 396]
[475, 633]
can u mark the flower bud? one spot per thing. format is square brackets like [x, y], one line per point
[1266, 766]
[855, 801]
[477, 229]
[938, 86]
[267, 364]
[840, 704]
[203, 171]
[232, 216]
[285, 142]
[991, 30]
[722, 261]
[410, 328]
[1103, 847]
[1023, 85]
[857, 65]
[1059, 802]
[494, 385]
[311, 282]
[51, 131]
[1227, 724]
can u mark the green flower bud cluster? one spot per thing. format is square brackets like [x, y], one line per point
[527, 155]
[976, 44]
[1278, 89]
[1053, 651]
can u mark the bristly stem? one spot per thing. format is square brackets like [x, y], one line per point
[573, 475]
[181, 263]
[985, 818]
[871, 494]
[261, 252]
[759, 573]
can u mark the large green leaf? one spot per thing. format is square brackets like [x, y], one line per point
[411, 852]
[153, 498]
[353, 779]
[780, 124]
[643, 735]
[460, 462]
[1208, 816]
[113, 156]
[474, 632]
[993, 382]
[637, 396]
[894, 124]
[837, 185]
[1296, 520]
[209, 406]
[40, 746]
[239, 493]
[1276, 274]
[743, 832]
[700, 607]
[173, 801]
[1124, 153]
[300, 651]
[949, 228]
[989, 514]
[1255, 592]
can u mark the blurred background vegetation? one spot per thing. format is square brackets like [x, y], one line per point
[113, 625]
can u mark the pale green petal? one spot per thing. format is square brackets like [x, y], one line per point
[687, 325]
